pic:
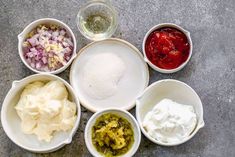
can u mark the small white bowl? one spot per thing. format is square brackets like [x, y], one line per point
[172, 26]
[11, 122]
[34, 24]
[122, 113]
[174, 90]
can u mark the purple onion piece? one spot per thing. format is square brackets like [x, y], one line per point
[35, 51]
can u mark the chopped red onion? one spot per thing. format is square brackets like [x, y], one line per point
[48, 48]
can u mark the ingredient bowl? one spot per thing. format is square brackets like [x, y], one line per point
[11, 122]
[97, 20]
[175, 56]
[170, 89]
[128, 87]
[122, 113]
[48, 21]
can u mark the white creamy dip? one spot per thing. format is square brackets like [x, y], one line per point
[170, 122]
[44, 108]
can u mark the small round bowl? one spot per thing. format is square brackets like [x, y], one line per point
[122, 113]
[22, 36]
[174, 90]
[172, 26]
[11, 122]
[94, 7]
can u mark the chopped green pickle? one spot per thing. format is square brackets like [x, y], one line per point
[112, 135]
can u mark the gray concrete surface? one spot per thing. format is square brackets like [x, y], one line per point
[211, 70]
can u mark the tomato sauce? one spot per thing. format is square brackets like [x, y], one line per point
[167, 48]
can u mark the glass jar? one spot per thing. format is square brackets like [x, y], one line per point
[97, 20]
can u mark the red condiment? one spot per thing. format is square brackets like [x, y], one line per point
[167, 48]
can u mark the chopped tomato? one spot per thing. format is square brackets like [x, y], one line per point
[167, 48]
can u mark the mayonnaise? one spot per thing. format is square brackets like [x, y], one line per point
[170, 122]
[45, 108]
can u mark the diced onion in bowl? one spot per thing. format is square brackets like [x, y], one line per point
[48, 48]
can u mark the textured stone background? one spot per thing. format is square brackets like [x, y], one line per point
[211, 70]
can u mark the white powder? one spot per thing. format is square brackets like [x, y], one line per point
[102, 73]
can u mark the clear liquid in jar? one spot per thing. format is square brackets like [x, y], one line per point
[97, 25]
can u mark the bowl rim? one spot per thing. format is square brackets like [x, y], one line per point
[110, 110]
[200, 124]
[26, 81]
[84, 102]
[21, 38]
[172, 25]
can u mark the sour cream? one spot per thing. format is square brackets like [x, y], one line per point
[44, 108]
[169, 121]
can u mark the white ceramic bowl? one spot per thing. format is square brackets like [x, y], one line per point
[34, 24]
[130, 86]
[172, 26]
[122, 113]
[11, 122]
[174, 90]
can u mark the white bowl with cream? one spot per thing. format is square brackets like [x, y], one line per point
[11, 122]
[176, 91]
[22, 36]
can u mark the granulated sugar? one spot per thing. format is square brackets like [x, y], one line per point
[102, 73]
